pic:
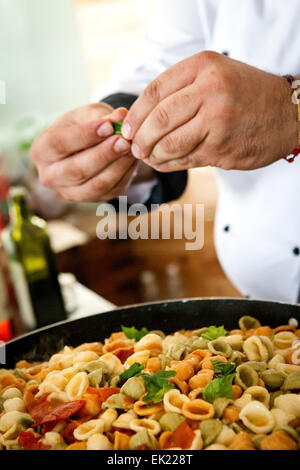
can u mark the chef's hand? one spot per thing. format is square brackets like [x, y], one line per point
[80, 158]
[212, 110]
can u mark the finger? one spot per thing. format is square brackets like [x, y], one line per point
[183, 163]
[122, 185]
[196, 159]
[95, 188]
[179, 143]
[57, 143]
[107, 129]
[170, 114]
[79, 168]
[118, 114]
[87, 113]
[172, 80]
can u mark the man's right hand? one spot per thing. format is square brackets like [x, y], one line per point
[81, 159]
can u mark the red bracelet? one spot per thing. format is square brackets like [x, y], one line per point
[296, 152]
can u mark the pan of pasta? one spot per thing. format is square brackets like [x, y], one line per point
[196, 374]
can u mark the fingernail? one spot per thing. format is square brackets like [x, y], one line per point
[121, 146]
[105, 130]
[136, 151]
[126, 130]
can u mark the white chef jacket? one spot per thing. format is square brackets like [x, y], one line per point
[257, 229]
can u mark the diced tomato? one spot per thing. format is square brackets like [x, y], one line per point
[28, 441]
[124, 354]
[44, 411]
[142, 447]
[182, 437]
[103, 393]
[67, 433]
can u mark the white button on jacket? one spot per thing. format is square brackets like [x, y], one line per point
[257, 230]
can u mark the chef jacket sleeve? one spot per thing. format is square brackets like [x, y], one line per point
[173, 34]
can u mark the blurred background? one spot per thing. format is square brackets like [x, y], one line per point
[54, 55]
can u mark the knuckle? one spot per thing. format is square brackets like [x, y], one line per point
[99, 186]
[224, 113]
[219, 83]
[171, 144]
[222, 83]
[186, 101]
[64, 195]
[75, 173]
[152, 92]
[74, 194]
[154, 158]
[218, 146]
[226, 164]
[57, 143]
[207, 58]
[46, 180]
[83, 134]
[36, 149]
[161, 117]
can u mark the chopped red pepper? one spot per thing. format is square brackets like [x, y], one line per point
[182, 437]
[28, 441]
[142, 447]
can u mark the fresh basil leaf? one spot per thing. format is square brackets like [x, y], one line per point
[133, 370]
[273, 336]
[133, 333]
[224, 368]
[219, 388]
[157, 385]
[118, 127]
[214, 332]
[159, 396]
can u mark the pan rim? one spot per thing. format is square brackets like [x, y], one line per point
[148, 304]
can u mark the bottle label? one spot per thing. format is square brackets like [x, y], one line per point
[20, 285]
[23, 295]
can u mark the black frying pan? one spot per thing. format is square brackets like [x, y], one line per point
[168, 316]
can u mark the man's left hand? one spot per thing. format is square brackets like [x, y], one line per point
[213, 110]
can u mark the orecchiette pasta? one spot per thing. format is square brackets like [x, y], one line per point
[151, 425]
[54, 440]
[151, 342]
[257, 418]
[205, 388]
[289, 403]
[258, 348]
[174, 401]
[98, 442]
[77, 385]
[85, 430]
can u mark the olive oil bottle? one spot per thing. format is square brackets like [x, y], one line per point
[32, 265]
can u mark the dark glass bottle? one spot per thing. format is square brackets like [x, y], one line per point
[32, 265]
